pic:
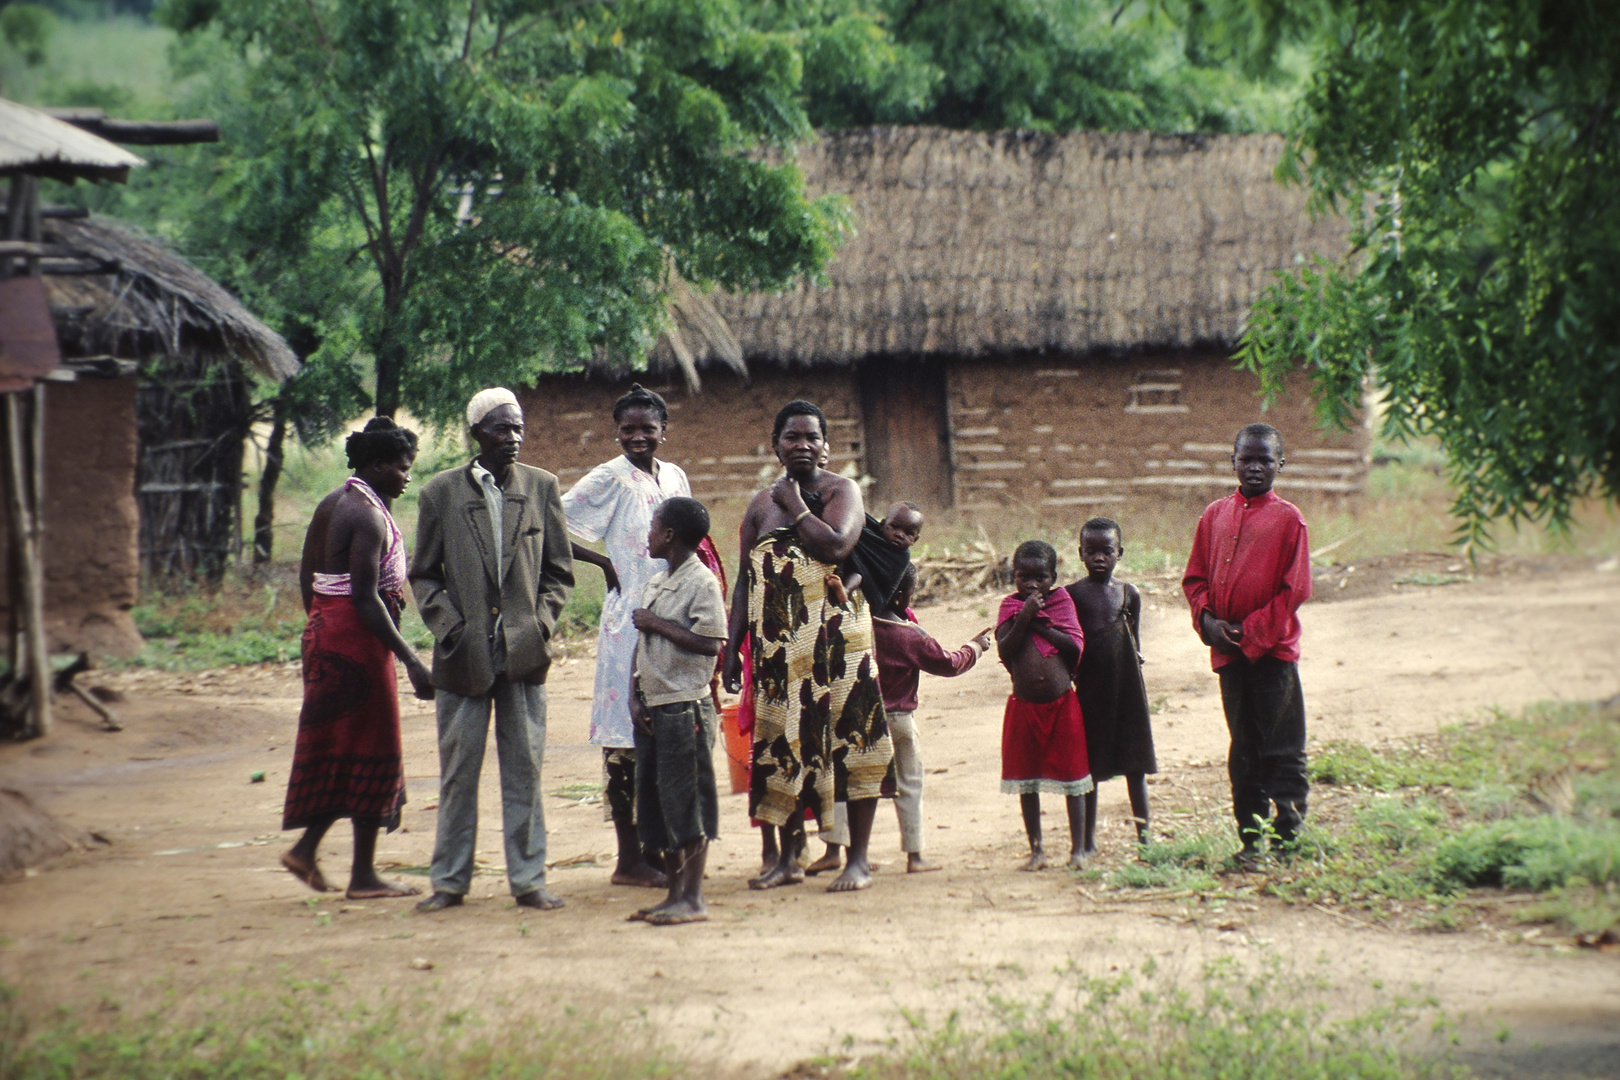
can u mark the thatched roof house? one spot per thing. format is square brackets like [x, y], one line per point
[144, 426]
[1020, 320]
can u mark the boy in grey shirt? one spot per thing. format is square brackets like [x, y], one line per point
[682, 620]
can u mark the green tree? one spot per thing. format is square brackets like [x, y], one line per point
[512, 183]
[1473, 145]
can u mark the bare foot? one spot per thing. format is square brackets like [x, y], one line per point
[309, 873]
[377, 889]
[540, 900]
[828, 861]
[855, 877]
[680, 912]
[642, 876]
[645, 914]
[778, 875]
[1037, 861]
[1077, 861]
[916, 864]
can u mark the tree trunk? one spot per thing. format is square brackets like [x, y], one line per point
[390, 363]
[264, 521]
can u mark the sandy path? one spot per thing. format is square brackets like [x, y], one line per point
[783, 975]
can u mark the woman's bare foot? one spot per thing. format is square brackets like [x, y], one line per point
[642, 875]
[830, 860]
[789, 874]
[1077, 861]
[681, 911]
[307, 872]
[1037, 861]
[375, 888]
[856, 876]
[916, 864]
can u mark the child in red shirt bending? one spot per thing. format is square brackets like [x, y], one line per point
[1249, 571]
[1043, 739]
[903, 650]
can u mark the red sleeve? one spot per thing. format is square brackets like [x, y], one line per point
[1195, 582]
[928, 655]
[1267, 626]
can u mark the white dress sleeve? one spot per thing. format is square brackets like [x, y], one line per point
[591, 504]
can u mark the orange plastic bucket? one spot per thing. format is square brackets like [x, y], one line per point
[739, 749]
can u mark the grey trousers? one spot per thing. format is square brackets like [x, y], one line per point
[908, 785]
[520, 747]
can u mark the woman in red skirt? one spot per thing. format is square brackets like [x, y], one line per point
[347, 762]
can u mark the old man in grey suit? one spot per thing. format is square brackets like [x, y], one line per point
[491, 573]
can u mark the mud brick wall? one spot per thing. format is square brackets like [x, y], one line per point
[1067, 436]
[721, 436]
[91, 562]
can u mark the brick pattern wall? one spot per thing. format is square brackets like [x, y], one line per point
[1067, 435]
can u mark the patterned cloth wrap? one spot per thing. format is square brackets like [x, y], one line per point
[820, 733]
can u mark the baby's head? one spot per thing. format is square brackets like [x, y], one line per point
[903, 526]
[1034, 567]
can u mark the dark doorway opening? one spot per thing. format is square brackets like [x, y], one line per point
[904, 409]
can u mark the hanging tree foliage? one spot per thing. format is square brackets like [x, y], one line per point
[513, 181]
[1473, 144]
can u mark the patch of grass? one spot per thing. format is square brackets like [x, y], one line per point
[251, 617]
[306, 1031]
[1141, 1025]
[1432, 579]
[1527, 802]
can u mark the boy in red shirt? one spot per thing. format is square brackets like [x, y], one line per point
[1249, 571]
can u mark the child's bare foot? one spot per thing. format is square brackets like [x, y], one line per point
[856, 876]
[830, 860]
[1077, 860]
[916, 864]
[372, 887]
[1037, 861]
[679, 913]
[779, 874]
[307, 872]
[642, 875]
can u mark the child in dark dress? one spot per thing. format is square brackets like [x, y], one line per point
[1113, 697]
[1043, 739]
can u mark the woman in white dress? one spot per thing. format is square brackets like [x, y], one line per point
[614, 504]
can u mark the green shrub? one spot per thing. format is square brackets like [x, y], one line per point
[1534, 853]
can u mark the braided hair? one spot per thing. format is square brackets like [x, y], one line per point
[639, 397]
[380, 441]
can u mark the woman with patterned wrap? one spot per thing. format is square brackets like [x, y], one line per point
[347, 760]
[820, 734]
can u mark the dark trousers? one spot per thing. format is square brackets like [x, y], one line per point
[676, 800]
[1265, 713]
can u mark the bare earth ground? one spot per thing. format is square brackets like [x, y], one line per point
[183, 886]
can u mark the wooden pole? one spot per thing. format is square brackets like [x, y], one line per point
[39, 655]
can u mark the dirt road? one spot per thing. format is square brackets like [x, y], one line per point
[186, 887]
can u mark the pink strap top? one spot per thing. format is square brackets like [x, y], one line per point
[390, 569]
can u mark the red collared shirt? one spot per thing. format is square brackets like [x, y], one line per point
[903, 649]
[1251, 563]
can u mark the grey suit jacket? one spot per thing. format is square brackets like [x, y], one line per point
[453, 576]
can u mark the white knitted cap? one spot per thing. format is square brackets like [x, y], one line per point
[486, 401]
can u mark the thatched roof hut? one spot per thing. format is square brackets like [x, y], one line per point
[981, 243]
[144, 428]
[151, 301]
[1019, 320]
